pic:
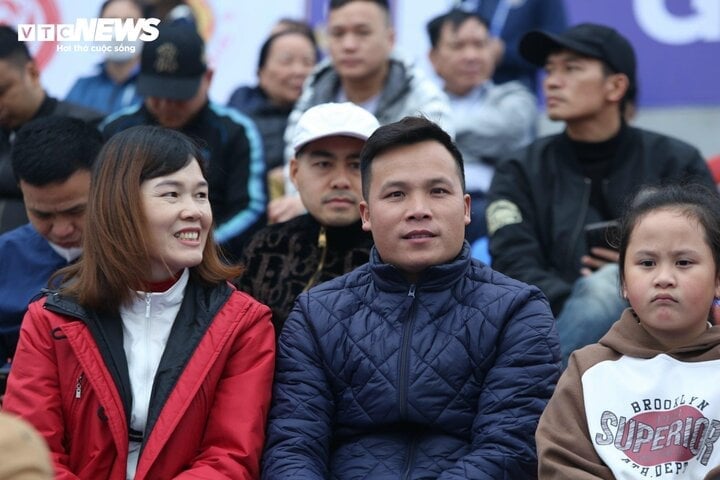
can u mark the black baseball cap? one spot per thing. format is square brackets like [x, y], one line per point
[588, 39]
[172, 65]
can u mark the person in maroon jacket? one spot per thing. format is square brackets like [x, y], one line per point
[145, 362]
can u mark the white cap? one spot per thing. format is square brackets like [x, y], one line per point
[331, 119]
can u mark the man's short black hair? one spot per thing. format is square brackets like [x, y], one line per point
[51, 149]
[454, 17]
[341, 3]
[11, 49]
[408, 131]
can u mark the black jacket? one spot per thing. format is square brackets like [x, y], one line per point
[539, 202]
[270, 119]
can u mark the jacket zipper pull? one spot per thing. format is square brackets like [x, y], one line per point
[147, 305]
[78, 387]
[411, 292]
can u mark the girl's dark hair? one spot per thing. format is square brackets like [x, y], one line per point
[693, 200]
[116, 244]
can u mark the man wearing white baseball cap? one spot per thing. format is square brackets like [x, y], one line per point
[284, 259]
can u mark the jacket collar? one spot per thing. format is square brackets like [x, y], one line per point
[438, 277]
[326, 82]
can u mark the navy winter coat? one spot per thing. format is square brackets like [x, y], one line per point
[380, 379]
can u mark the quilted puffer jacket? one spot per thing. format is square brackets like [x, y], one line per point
[380, 379]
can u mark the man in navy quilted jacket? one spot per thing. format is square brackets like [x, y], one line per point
[422, 363]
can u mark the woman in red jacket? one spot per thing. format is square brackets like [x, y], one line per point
[146, 362]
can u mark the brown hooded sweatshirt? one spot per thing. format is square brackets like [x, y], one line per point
[628, 408]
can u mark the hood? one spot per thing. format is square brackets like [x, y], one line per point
[628, 337]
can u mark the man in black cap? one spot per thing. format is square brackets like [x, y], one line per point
[542, 198]
[174, 79]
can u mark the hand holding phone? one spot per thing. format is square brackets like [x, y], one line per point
[603, 234]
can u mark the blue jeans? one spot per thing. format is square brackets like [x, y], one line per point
[593, 306]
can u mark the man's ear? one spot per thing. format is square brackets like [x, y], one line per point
[467, 201]
[293, 169]
[617, 86]
[432, 56]
[32, 71]
[365, 216]
[391, 37]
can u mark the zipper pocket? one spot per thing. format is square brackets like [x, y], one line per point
[78, 386]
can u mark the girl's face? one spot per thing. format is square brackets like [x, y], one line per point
[179, 219]
[670, 276]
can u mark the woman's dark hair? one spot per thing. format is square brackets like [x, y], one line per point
[116, 244]
[695, 201]
[290, 30]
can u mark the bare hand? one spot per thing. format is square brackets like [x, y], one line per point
[285, 208]
[599, 257]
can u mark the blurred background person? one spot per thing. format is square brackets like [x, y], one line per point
[22, 98]
[169, 11]
[286, 59]
[23, 453]
[509, 20]
[490, 119]
[113, 85]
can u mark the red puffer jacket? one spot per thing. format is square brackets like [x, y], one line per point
[212, 421]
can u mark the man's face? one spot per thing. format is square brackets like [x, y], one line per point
[177, 113]
[20, 93]
[577, 88]
[462, 57]
[327, 176]
[360, 40]
[57, 210]
[416, 209]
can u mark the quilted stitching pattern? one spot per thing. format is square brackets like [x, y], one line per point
[482, 362]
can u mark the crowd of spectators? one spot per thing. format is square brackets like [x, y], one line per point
[348, 270]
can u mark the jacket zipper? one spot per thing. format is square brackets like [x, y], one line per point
[410, 460]
[147, 305]
[404, 366]
[78, 386]
[146, 335]
[322, 244]
[580, 221]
